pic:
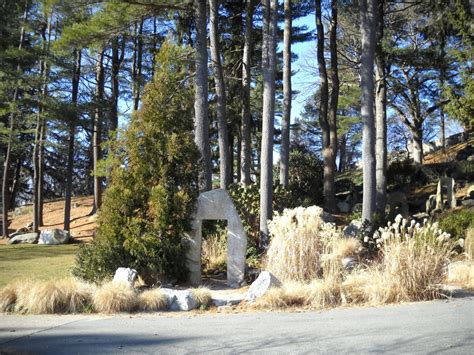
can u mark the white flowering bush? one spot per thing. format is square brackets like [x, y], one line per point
[404, 229]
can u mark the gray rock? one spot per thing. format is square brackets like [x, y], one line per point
[227, 300]
[125, 275]
[54, 237]
[343, 207]
[29, 238]
[180, 300]
[357, 207]
[468, 203]
[352, 229]
[349, 263]
[470, 158]
[265, 281]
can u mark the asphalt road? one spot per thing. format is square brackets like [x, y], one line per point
[431, 327]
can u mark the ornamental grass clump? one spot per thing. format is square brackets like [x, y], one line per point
[51, 297]
[113, 297]
[413, 267]
[152, 300]
[298, 239]
[461, 272]
[8, 296]
[202, 295]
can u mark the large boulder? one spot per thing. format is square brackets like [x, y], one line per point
[180, 300]
[29, 238]
[265, 281]
[125, 275]
[344, 207]
[54, 237]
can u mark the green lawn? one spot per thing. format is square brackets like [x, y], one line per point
[35, 262]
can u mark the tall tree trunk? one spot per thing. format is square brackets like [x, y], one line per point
[97, 129]
[72, 131]
[330, 202]
[328, 183]
[367, 29]
[40, 131]
[114, 85]
[380, 117]
[12, 127]
[223, 135]
[137, 65]
[285, 120]
[201, 121]
[342, 153]
[246, 146]
[270, 8]
[16, 180]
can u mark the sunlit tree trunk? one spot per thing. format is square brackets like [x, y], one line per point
[201, 98]
[367, 29]
[72, 131]
[246, 147]
[285, 120]
[380, 116]
[268, 67]
[97, 128]
[223, 135]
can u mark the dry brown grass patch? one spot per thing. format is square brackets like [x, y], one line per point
[298, 240]
[49, 297]
[214, 252]
[152, 300]
[8, 296]
[114, 297]
[202, 295]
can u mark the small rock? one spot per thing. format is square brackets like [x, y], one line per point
[180, 300]
[54, 237]
[344, 207]
[349, 263]
[224, 308]
[93, 218]
[357, 208]
[125, 275]
[226, 300]
[29, 238]
[353, 228]
[261, 285]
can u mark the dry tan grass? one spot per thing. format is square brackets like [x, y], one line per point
[344, 247]
[462, 273]
[202, 295]
[8, 296]
[298, 239]
[48, 297]
[152, 300]
[113, 297]
[214, 252]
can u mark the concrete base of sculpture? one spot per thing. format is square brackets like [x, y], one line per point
[218, 205]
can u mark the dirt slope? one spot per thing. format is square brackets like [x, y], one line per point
[82, 228]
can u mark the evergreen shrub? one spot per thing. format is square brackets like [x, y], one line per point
[152, 183]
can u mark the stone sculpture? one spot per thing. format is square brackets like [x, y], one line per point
[218, 205]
